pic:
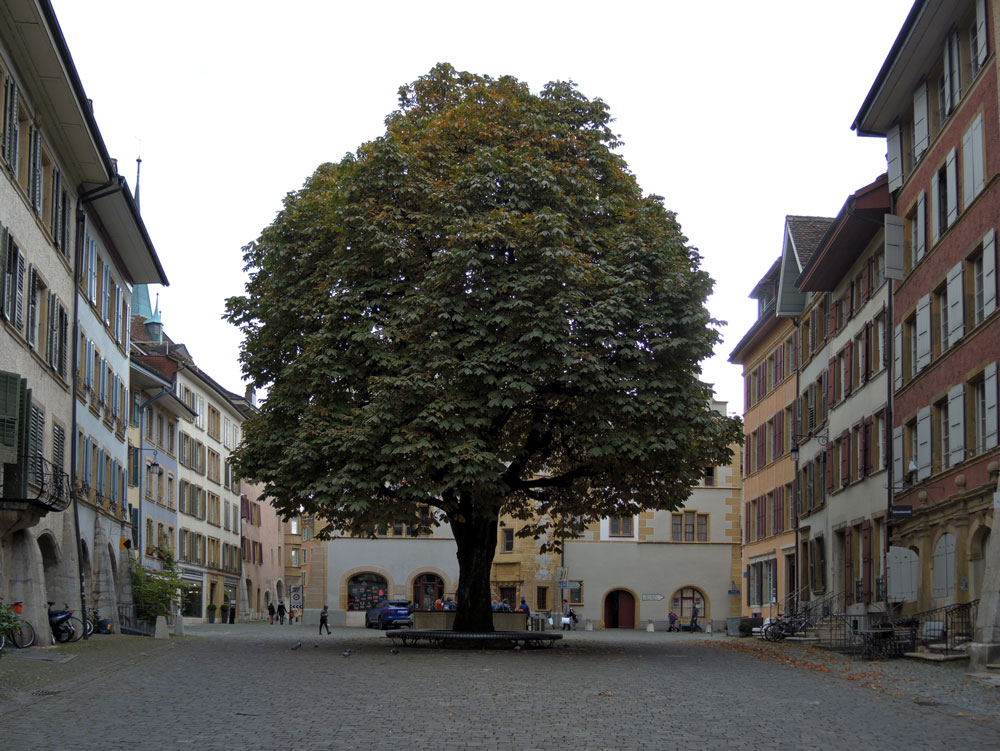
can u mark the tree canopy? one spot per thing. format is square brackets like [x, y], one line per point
[480, 312]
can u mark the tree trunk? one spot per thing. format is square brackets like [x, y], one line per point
[475, 533]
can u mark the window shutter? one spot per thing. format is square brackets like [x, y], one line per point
[894, 157]
[848, 567]
[919, 121]
[920, 238]
[956, 423]
[831, 381]
[956, 308]
[17, 272]
[924, 443]
[935, 209]
[923, 332]
[990, 386]
[981, 50]
[951, 176]
[866, 560]
[978, 170]
[893, 246]
[968, 161]
[829, 468]
[63, 340]
[897, 357]
[10, 415]
[866, 343]
[863, 441]
[848, 368]
[946, 73]
[845, 458]
[989, 273]
[31, 333]
[898, 476]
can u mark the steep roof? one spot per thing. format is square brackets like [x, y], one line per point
[806, 233]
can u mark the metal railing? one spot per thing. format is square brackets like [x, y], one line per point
[36, 480]
[131, 620]
[946, 629]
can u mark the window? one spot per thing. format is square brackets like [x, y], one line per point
[917, 220]
[541, 598]
[973, 158]
[977, 39]
[949, 83]
[944, 197]
[939, 312]
[620, 526]
[508, 540]
[940, 430]
[213, 422]
[365, 591]
[689, 526]
[709, 477]
[575, 589]
[817, 565]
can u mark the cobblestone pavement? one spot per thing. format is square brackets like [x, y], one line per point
[248, 686]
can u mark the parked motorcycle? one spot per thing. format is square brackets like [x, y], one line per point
[60, 624]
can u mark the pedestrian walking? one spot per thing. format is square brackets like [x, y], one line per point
[324, 614]
[281, 612]
[270, 612]
[694, 619]
[672, 617]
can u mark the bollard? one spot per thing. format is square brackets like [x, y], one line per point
[649, 626]
[589, 625]
[178, 625]
[161, 628]
[708, 628]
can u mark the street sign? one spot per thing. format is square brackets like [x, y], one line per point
[901, 512]
[652, 597]
[569, 585]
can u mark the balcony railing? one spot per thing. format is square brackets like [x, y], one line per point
[37, 481]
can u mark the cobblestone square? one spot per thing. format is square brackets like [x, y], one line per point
[253, 686]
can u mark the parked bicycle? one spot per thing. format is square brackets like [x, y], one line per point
[91, 621]
[20, 632]
[779, 629]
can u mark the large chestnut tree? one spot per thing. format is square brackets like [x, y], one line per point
[478, 312]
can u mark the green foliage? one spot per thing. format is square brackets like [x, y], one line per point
[481, 312]
[152, 591]
[9, 620]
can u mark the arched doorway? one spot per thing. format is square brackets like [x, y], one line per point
[619, 609]
[684, 602]
[366, 591]
[426, 589]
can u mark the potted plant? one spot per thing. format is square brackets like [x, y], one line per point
[211, 612]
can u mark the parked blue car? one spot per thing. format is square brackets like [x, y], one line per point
[388, 614]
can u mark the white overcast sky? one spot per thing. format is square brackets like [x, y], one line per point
[737, 113]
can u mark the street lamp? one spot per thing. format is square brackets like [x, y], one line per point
[821, 438]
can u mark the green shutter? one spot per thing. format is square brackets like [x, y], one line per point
[10, 403]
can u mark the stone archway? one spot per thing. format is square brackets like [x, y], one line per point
[619, 609]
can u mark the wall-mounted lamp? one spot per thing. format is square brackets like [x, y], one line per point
[821, 438]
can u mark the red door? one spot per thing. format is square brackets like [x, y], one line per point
[619, 609]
